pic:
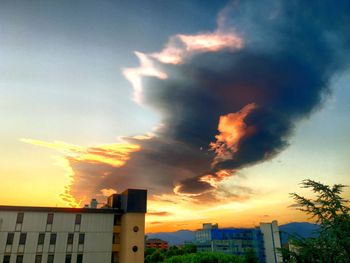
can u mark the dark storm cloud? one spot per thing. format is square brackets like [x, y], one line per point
[292, 50]
[285, 72]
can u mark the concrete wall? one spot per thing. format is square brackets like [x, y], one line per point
[130, 238]
[272, 242]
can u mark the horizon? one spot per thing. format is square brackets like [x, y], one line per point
[219, 110]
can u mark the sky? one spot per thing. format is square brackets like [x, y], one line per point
[219, 109]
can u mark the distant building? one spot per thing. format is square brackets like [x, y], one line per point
[114, 233]
[157, 243]
[264, 241]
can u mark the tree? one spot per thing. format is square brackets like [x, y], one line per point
[205, 257]
[250, 257]
[331, 212]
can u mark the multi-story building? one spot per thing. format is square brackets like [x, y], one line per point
[157, 243]
[264, 241]
[114, 233]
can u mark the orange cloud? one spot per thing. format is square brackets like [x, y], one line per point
[108, 192]
[115, 155]
[232, 128]
[112, 154]
[214, 181]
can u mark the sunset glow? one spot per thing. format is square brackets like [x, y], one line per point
[219, 109]
[232, 128]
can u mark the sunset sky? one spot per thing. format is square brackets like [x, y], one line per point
[218, 108]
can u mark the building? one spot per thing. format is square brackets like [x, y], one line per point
[114, 233]
[272, 241]
[157, 243]
[264, 241]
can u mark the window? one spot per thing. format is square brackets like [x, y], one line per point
[38, 258]
[10, 237]
[22, 238]
[19, 218]
[53, 237]
[115, 257]
[19, 259]
[78, 219]
[49, 219]
[116, 238]
[50, 258]
[70, 238]
[81, 238]
[68, 258]
[6, 259]
[41, 238]
[117, 220]
[80, 258]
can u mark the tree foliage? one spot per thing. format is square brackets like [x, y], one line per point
[204, 257]
[250, 257]
[153, 255]
[189, 254]
[331, 211]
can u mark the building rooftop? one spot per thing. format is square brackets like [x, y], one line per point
[59, 209]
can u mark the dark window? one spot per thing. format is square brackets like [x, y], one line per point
[70, 238]
[135, 248]
[22, 238]
[41, 239]
[9, 240]
[68, 258]
[116, 238]
[6, 259]
[38, 258]
[50, 258]
[80, 258]
[19, 218]
[53, 237]
[49, 219]
[78, 219]
[81, 238]
[117, 220]
[19, 259]
[115, 257]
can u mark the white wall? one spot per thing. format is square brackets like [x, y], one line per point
[272, 242]
[98, 229]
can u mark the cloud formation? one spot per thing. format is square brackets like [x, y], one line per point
[229, 99]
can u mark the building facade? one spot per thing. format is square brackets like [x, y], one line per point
[157, 243]
[264, 241]
[114, 233]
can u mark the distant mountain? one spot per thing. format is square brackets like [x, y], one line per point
[174, 238]
[302, 229]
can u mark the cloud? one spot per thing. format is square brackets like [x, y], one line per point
[108, 192]
[112, 154]
[182, 47]
[228, 99]
[159, 213]
[82, 186]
